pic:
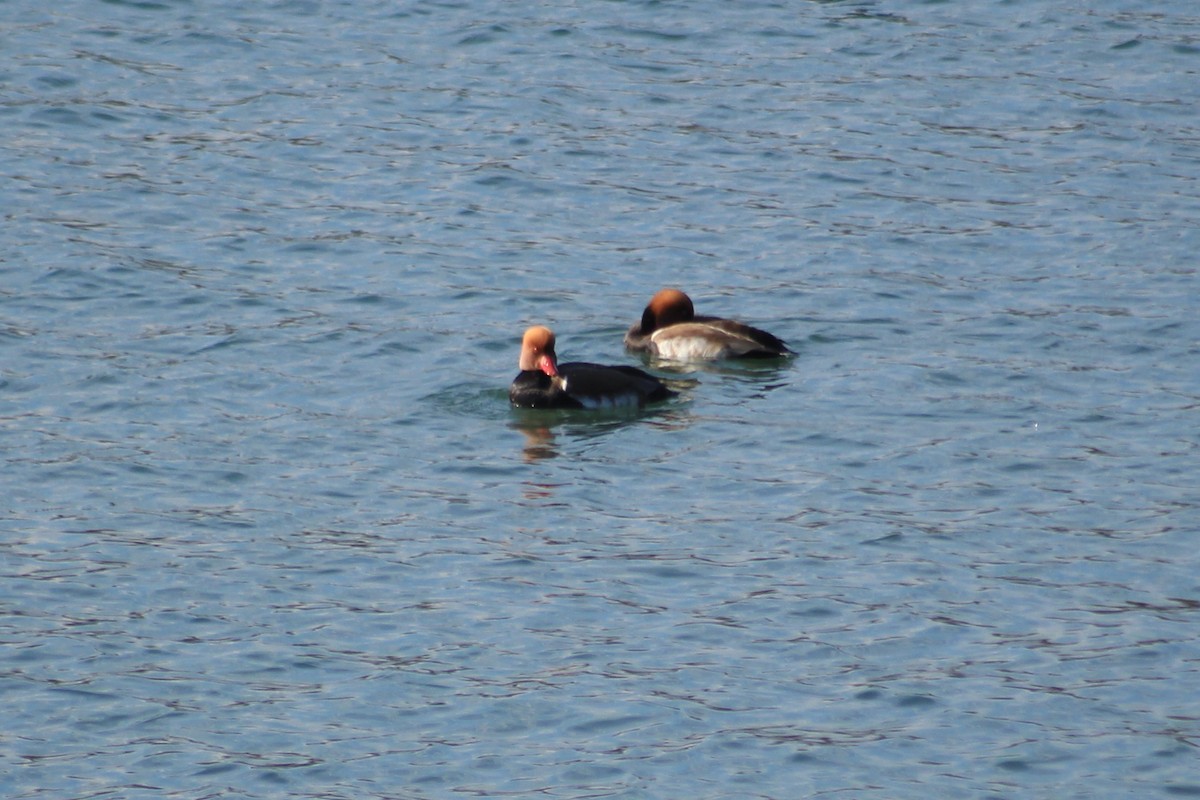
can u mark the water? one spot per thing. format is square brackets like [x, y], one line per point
[271, 529]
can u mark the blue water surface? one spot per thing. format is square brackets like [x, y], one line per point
[270, 528]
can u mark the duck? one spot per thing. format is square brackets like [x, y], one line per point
[670, 329]
[544, 383]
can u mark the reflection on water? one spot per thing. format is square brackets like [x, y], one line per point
[539, 439]
[542, 429]
[745, 367]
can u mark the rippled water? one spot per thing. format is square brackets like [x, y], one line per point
[272, 530]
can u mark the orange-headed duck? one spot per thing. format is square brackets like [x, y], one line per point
[670, 329]
[544, 383]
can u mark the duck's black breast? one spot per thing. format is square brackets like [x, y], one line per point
[637, 338]
[533, 388]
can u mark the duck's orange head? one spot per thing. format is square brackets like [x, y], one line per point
[537, 351]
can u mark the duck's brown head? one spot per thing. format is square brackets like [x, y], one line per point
[668, 307]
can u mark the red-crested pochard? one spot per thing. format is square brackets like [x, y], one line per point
[670, 329]
[544, 383]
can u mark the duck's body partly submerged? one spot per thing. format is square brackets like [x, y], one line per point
[544, 383]
[579, 384]
[670, 329]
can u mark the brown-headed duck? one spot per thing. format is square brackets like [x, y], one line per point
[670, 329]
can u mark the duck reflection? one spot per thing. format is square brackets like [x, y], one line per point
[745, 370]
[539, 440]
[544, 432]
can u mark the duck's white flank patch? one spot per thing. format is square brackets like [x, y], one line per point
[689, 348]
